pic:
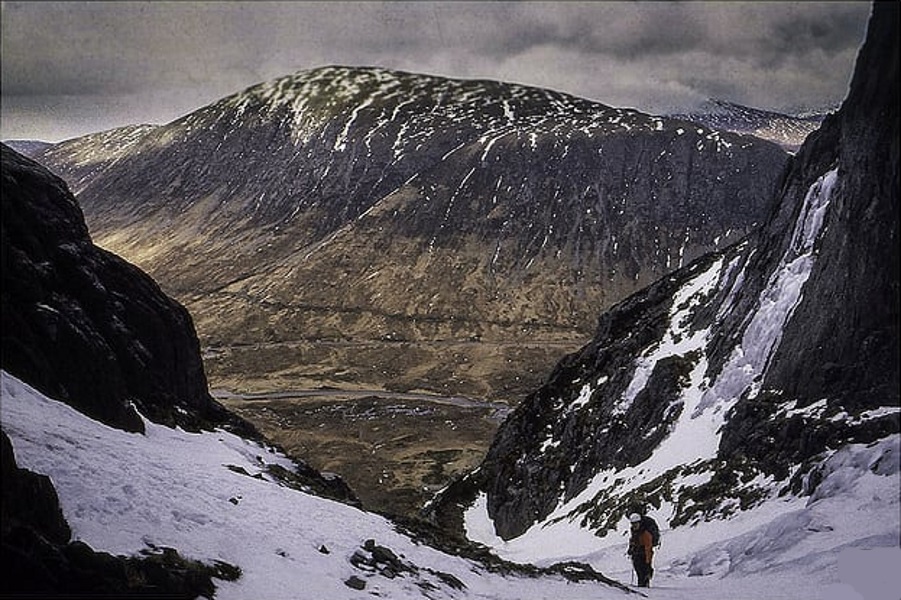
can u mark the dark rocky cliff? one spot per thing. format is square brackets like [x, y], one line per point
[750, 364]
[83, 325]
[842, 343]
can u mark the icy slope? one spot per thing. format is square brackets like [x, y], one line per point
[209, 495]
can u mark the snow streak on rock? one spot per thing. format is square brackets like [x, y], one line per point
[776, 303]
[678, 340]
[696, 434]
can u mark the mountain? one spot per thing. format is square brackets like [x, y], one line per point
[789, 131]
[181, 513]
[80, 159]
[738, 390]
[196, 513]
[360, 227]
[29, 147]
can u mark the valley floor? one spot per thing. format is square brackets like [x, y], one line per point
[394, 449]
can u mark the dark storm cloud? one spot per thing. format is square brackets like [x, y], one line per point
[834, 32]
[618, 30]
[153, 61]
[755, 31]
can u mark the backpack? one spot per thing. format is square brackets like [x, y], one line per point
[650, 525]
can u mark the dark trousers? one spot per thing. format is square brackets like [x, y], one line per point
[643, 570]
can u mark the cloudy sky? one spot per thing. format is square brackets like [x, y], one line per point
[70, 68]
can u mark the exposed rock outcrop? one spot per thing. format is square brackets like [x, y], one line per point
[86, 327]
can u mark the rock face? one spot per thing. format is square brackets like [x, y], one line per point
[842, 342]
[750, 365]
[363, 206]
[84, 326]
[29, 500]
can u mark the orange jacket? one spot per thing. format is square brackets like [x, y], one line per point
[642, 543]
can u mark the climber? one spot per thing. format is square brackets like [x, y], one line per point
[641, 550]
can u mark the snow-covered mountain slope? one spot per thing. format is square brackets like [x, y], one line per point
[80, 159]
[732, 391]
[212, 496]
[380, 205]
[789, 131]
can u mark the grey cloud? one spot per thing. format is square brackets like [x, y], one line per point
[804, 36]
[91, 47]
[623, 31]
[641, 54]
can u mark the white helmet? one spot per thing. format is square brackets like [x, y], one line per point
[634, 518]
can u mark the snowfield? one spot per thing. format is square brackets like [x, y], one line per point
[123, 493]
